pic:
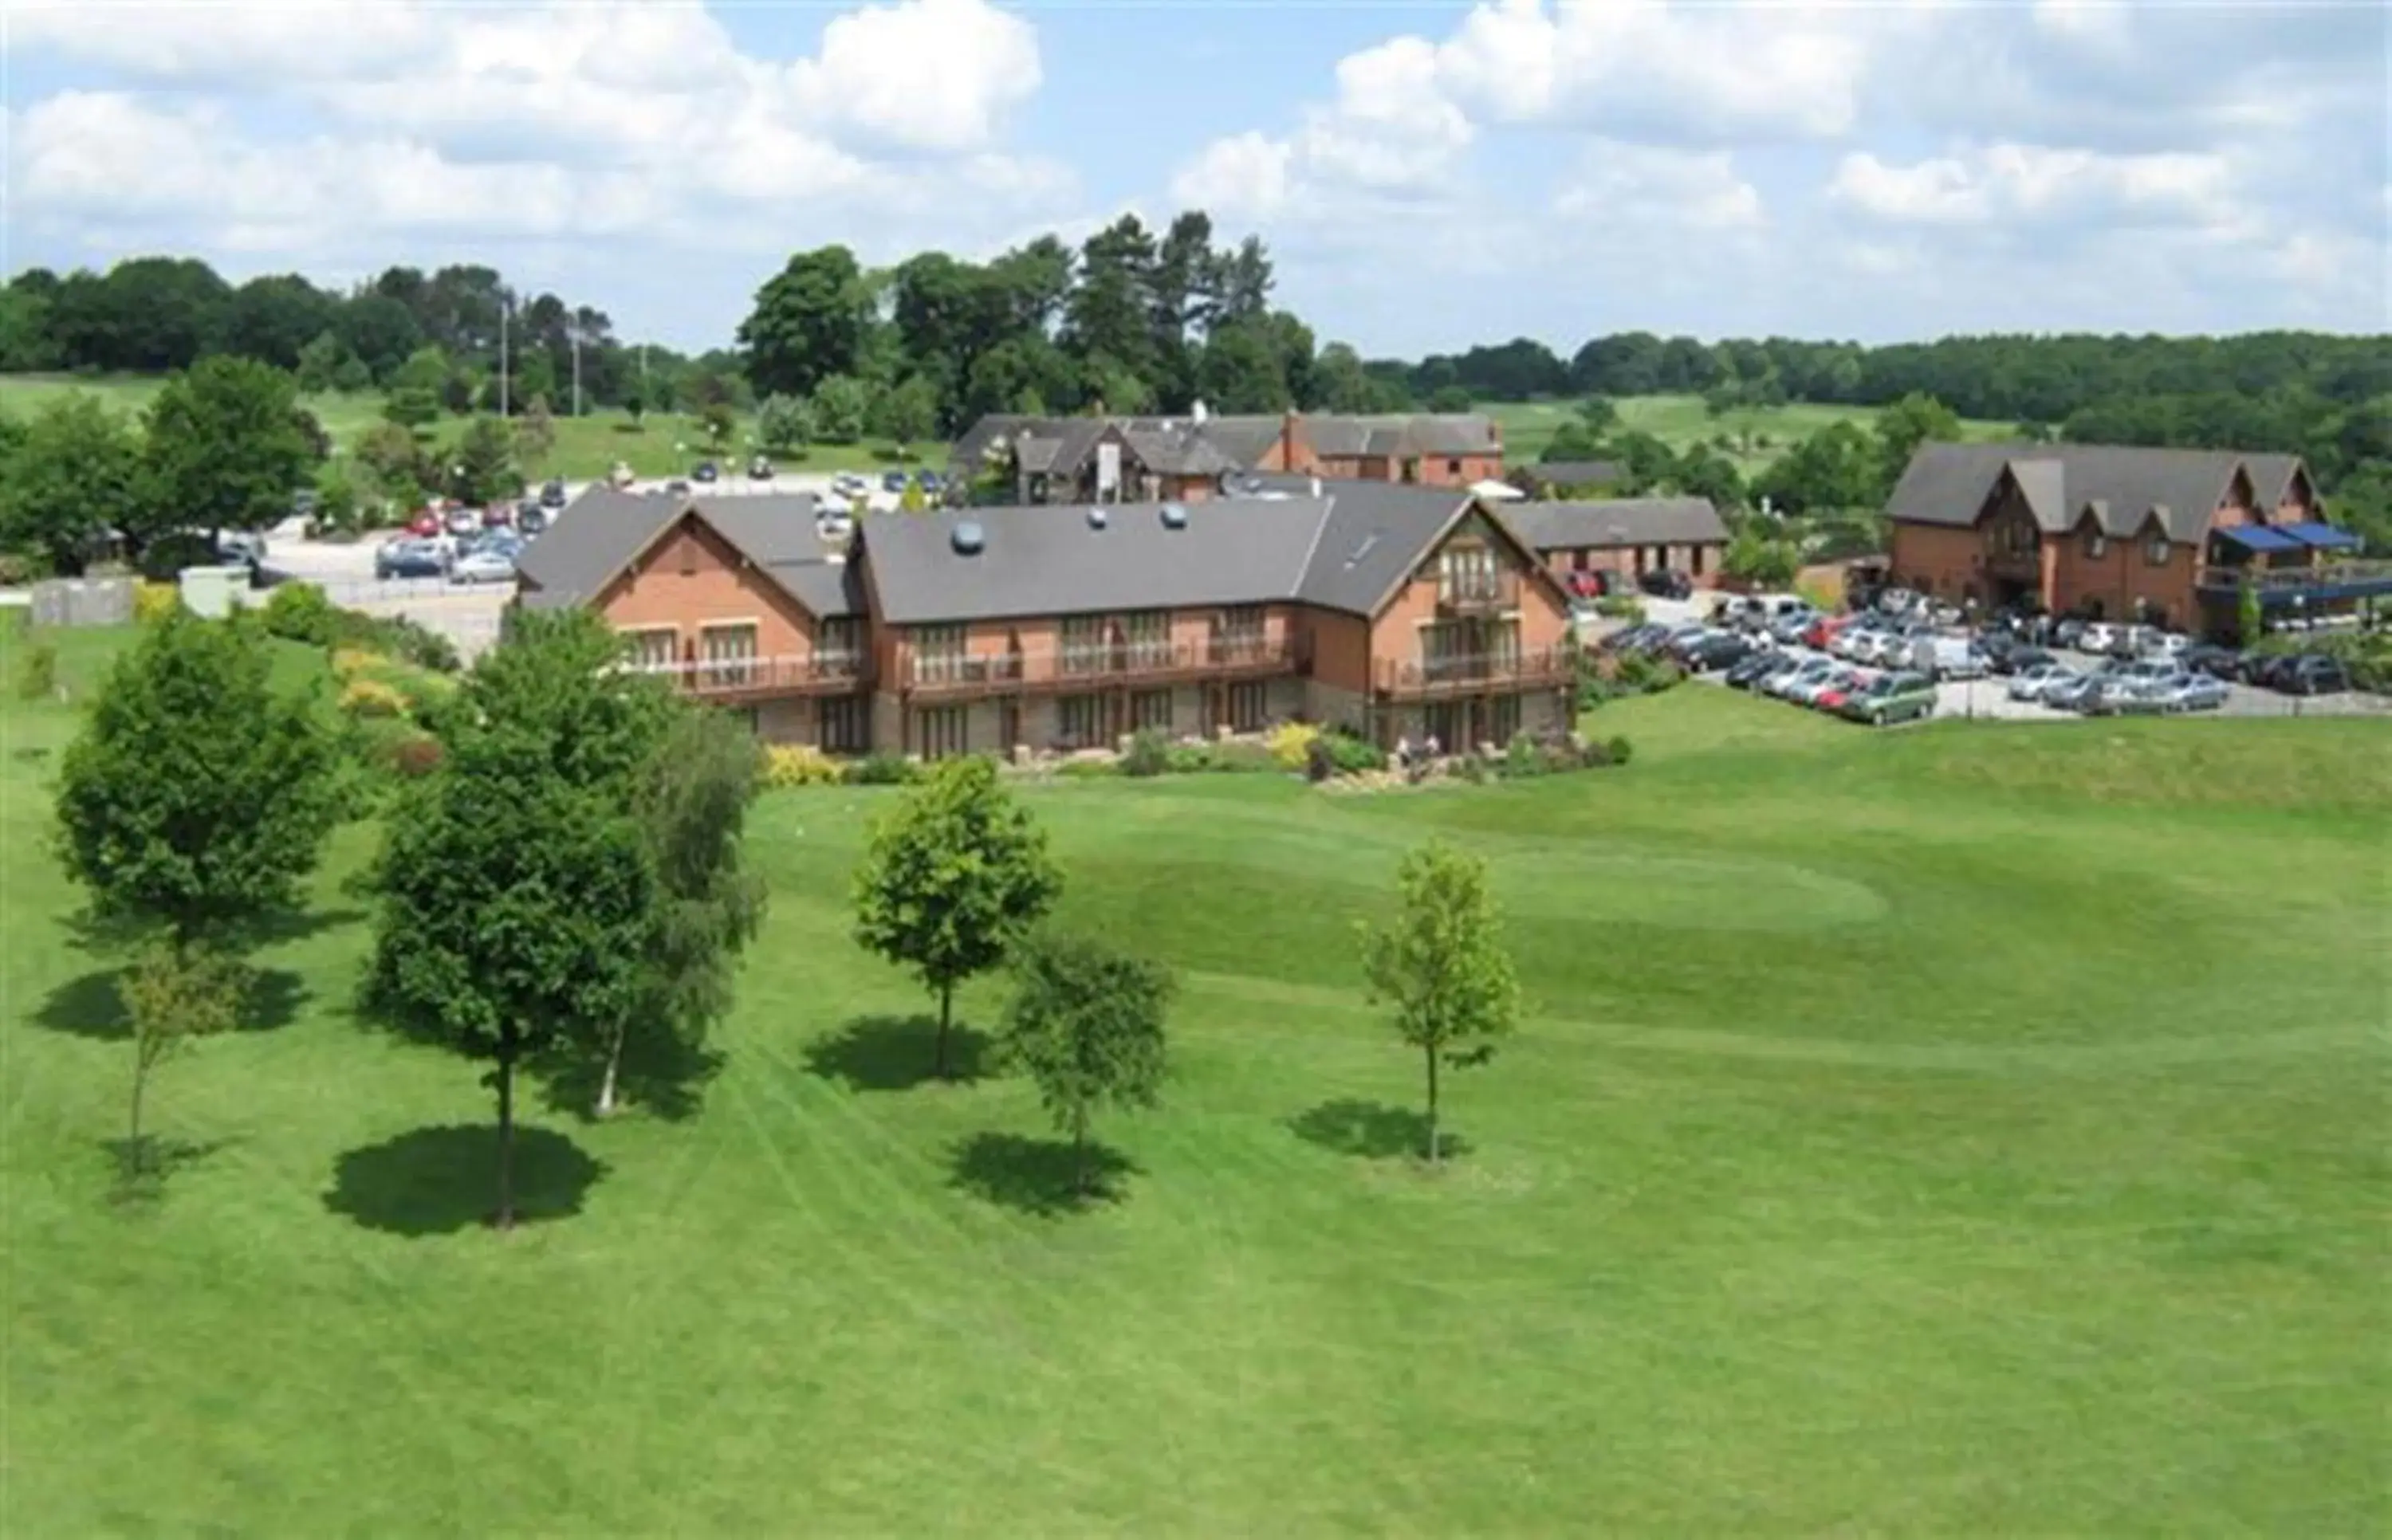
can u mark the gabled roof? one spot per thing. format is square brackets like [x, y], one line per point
[604, 531]
[1567, 473]
[1346, 550]
[1617, 522]
[1047, 445]
[2122, 488]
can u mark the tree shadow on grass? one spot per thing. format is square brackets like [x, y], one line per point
[1037, 1176]
[439, 1181]
[1373, 1130]
[660, 1075]
[143, 1167]
[897, 1052]
[92, 1007]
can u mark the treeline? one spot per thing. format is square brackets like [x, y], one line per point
[2013, 378]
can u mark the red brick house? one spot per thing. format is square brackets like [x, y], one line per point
[1186, 459]
[2169, 535]
[1627, 535]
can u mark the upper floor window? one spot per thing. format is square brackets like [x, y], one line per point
[2155, 549]
[842, 636]
[938, 652]
[2097, 545]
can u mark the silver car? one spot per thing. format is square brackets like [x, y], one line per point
[2193, 692]
[2035, 681]
[484, 566]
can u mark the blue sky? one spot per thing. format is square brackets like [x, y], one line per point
[1427, 176]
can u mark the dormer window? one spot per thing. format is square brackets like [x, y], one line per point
[2155, 549]
[2097, 545]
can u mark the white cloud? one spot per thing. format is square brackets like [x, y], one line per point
[2036, 183]
[583, 120]
[1652, 190]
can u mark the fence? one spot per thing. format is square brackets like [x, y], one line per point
[83, 601]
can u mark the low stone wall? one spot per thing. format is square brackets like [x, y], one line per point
[83, 601]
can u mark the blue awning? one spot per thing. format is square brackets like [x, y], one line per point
[2323, 537]
[2258, 538]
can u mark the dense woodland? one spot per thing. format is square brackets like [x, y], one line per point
[1139, 319]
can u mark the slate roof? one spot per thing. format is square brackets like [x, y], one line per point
[1051, 445]
[1568, 472]
[1345, 550]
[2122, 486]
[1617, 522]
[600, 533]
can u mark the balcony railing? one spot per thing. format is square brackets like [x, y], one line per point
[2327, 579]
[1467, 590]
[823, 673]
[1067, 669]
[1474, 673]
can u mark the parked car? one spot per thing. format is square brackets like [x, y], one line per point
[462, 522]
[2072, 693]
[1667, 583]
[1836, 677]
[1748, 670]
[408, 558]
[1723, 650]
[2126, 695]
[927, 479]
[498, 516]
[426, 523]
[1802, 677]
[2194, 692]
[2316, 674]
[706, 470]
[2066, 632]
[1896, 697]
[2218, 663]
[2098, 636]
[759, 469]
[1946, 657]
[486, 565]
[677, 488]
[552, 495]
[1840, 689]
[1591, 584]
[1791, 628]
[532, 520]
[2034, 682]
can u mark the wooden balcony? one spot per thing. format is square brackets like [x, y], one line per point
[1477, 593]
[741, 679]
[1069, 669]
[1475, 674]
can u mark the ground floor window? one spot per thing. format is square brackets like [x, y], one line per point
[844, 724]
[943, 734]
[1080, 720]
[1695, 560]
[1249, 706]
[1151, 709]
[1503, 718]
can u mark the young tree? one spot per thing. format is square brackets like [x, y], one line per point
[517, 896]
[1085, 1024]
[536, 434]
[784, 424]
[720, 423]
[191, 807]
[952, 877]
[173, 994]
[485, 467]
[1442, 966]
[840, 404]
[226, 450]
[908, 412]
[2249, 618]
[692, 807]
[75, 472]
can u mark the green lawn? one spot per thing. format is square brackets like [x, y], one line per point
[1757, 435]
[665, 445]
[1954, 1132]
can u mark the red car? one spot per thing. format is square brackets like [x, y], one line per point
[426, 523]
[498, 516]
[1824, 630]
[1833, 700]
[1592, 584]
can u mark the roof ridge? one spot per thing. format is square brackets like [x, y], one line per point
[1319, 529]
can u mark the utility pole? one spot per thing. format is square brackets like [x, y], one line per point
[506, 310]
[577, 372]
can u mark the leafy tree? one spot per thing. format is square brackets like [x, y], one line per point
[75, 472]
[381, 331]
[952, 877]
[719, 423]
[485, 469]
[191, 808]
[840, 404]
[391, 454]
[909, 411]
[784, 424]
[2249, 618]
[518, 897]
[1087, 1025]
[340, 510]
[320, 361]
[350, 376]
[691, 805]
[173, 994]
[536, 434]
[1645, 462]
[635, 407]
[1442, 966]
[1703, 471]
[1757, 559]
[1915, 420]
[1835, 468]
[1450, 398]
[225, 448]
[412, 408]
[809, 323]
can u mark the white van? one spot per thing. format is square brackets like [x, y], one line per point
[1948, 657]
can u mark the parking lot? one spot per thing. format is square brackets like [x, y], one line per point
[1989, 697]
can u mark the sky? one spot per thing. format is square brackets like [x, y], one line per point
[1428, 177]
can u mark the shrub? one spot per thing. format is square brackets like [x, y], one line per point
[1290, 743]
[299, 612]
[417, 757]
[372, 698]
[1618, 750]
[1354, 756]
[1522, 757]
[1596, 754]
[350, 662]
[155, 600]
[17, 567]
[1319, 760]
[1470, 768]
[1148, 754]
[1241, 757]
[37, 674]
[163, 559]
[1639, 675]
[1189, 758]
[882, 770]
[1620, 606]
[1087, 770]
[800, 765]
